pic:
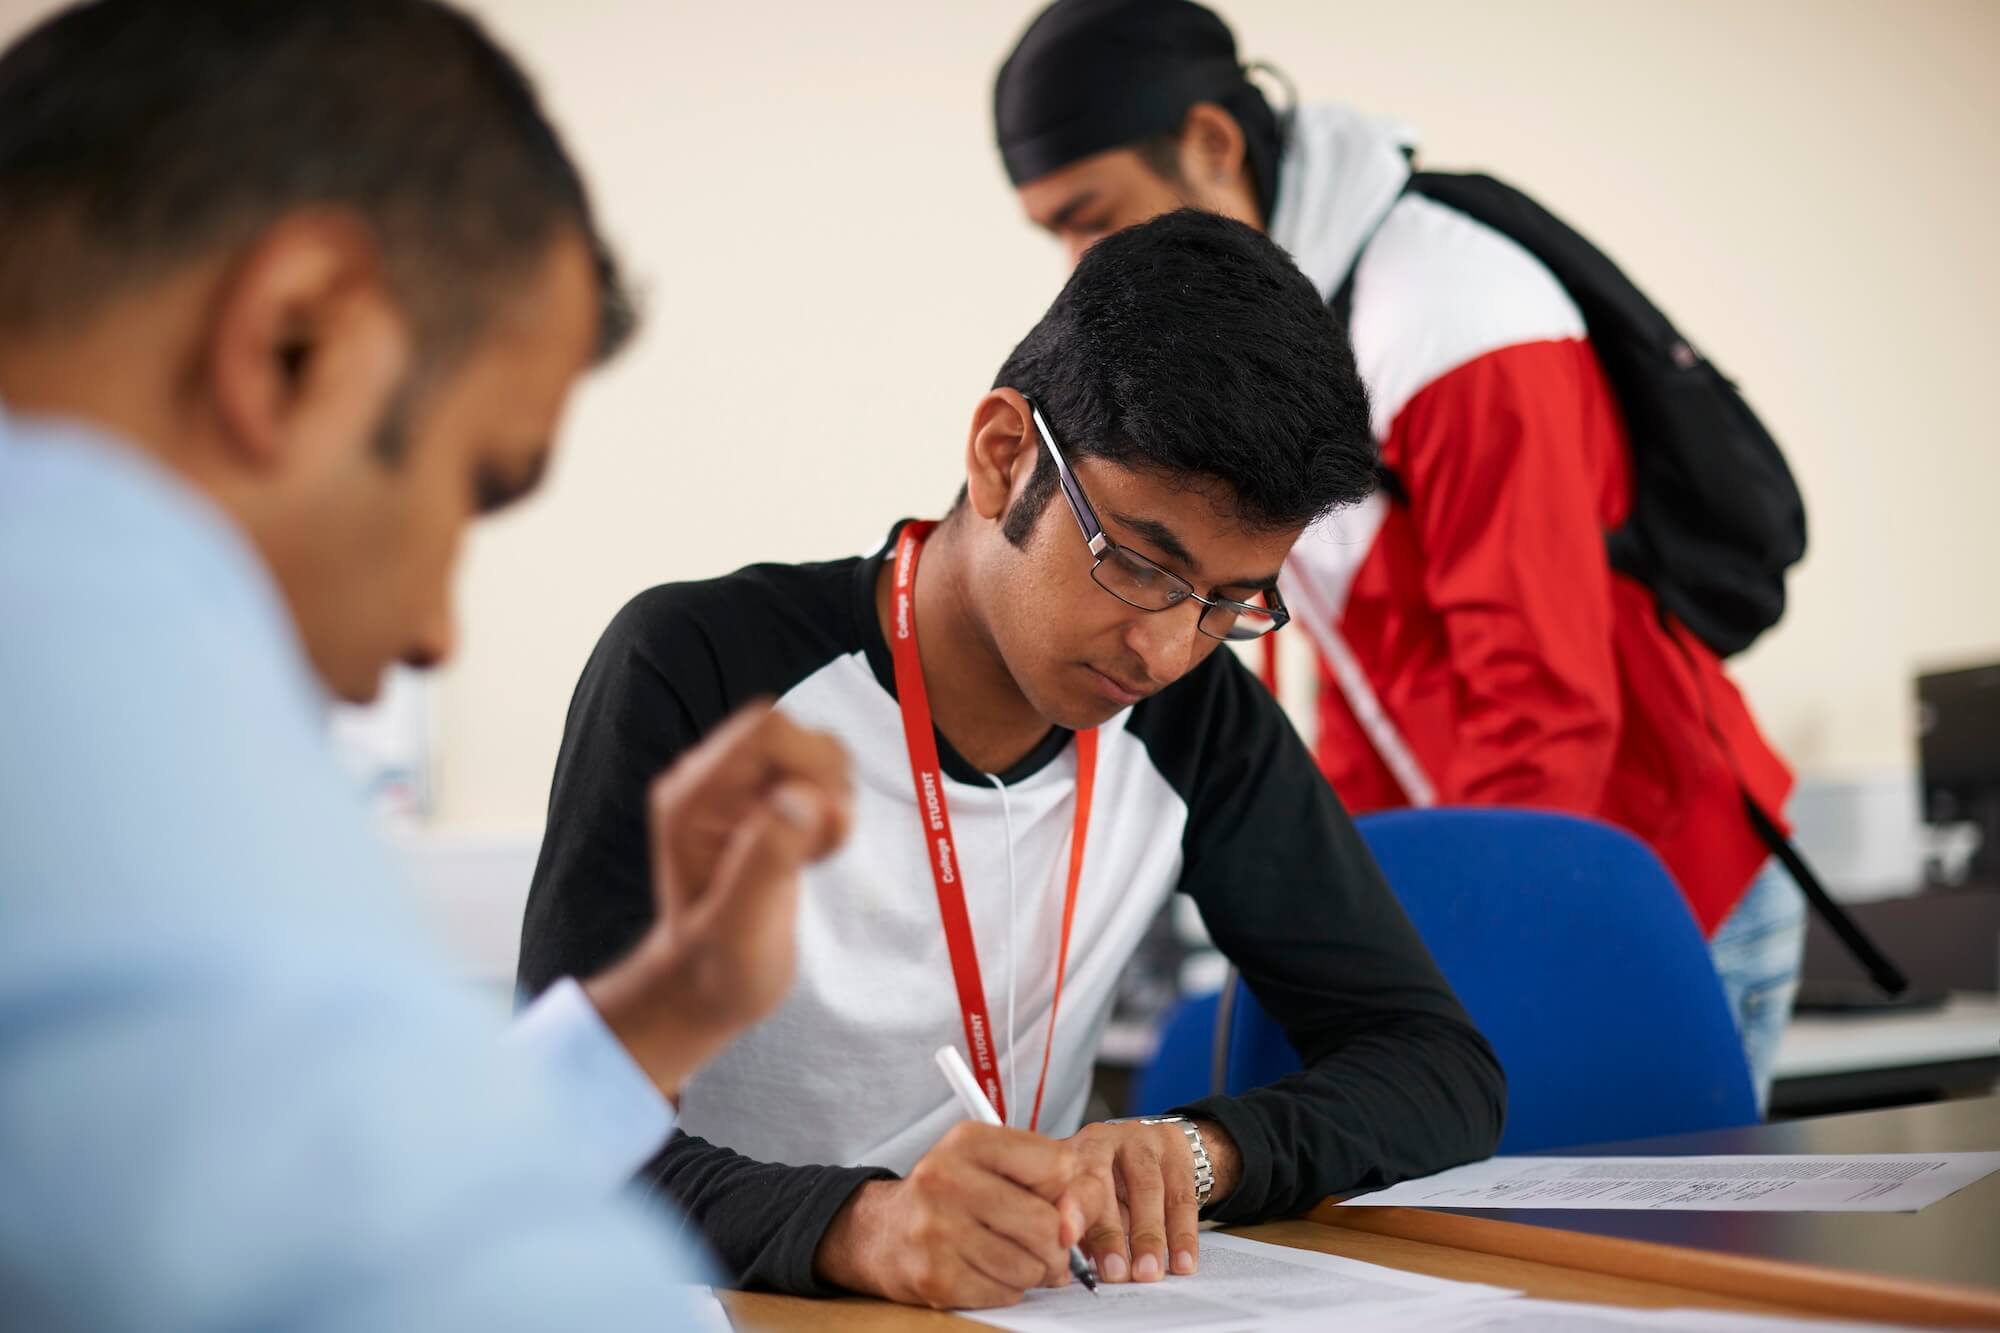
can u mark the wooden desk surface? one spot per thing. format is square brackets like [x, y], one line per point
[1863, 1265]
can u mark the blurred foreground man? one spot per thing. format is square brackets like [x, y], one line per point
[288, 295]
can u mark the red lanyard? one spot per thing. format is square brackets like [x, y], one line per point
[928, 777]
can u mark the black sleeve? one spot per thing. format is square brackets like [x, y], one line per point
[1397, 1082]
[592, 895]
[763, 1221]
[652, 688]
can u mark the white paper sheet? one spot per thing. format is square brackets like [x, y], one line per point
[1240, 1284]
[1568, 1317]
[1822, 1183]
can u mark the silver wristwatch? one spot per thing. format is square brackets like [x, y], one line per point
[1204, 1173]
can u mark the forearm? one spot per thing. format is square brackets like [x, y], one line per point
[1397, 1081]
[1417, 1095]
[762, 1220]
[662, 1005]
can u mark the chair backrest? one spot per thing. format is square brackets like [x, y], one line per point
[1182, 1067]
[1574, 952]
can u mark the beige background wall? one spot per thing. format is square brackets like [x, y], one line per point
[836, 268]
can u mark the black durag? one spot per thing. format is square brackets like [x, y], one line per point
[1092, 75]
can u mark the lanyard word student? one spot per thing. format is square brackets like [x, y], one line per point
[941, 850]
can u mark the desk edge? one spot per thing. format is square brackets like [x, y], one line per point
[1809, 1287]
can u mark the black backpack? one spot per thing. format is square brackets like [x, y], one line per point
[1716, 518]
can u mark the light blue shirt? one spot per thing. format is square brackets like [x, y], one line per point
[237, 1089]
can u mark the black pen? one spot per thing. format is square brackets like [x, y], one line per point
[973, 1102]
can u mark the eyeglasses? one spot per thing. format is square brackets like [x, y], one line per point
[1138, 582]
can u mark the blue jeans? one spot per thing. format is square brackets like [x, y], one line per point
[1757, 951]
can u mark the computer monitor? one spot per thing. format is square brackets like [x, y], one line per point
[1958, 745]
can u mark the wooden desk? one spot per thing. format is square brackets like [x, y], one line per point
[749, 1310]
[1882, 1265]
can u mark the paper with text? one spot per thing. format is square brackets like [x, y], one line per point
[1240, 1284]
[1822, 1183]
[1568, 1317]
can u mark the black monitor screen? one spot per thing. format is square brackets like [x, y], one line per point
[1958, 729]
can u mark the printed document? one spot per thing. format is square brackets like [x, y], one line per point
[1239, 1284]
[1568, 1317]
[1818, 1183]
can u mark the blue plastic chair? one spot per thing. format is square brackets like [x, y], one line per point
[1572, 949]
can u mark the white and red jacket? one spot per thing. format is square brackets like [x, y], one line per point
[1477, 648]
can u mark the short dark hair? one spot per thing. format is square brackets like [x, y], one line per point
[1192, 346]
[138, 136]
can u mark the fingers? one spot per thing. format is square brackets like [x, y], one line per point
[1104, 1236]
[1137, 1193]
[754, 751]
[954, 1284]
[1077, 1205]
[1183, 1216]
[1040, 1174]
[746, 922]
[1045, 1166]
[975, 1232]
[1096, 1192]
[1144, 1188]
[1030, 1226]
[1001, 1259]
[760, 749]
[813, 768]
[758, 759]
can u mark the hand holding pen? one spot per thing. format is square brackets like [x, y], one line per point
[987, 1215]
[973, 1102]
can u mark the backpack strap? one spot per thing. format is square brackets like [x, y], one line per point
[1880, 970]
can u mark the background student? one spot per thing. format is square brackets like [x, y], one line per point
[288, 295]
[1477, 646]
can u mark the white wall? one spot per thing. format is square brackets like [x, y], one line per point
[836, 266]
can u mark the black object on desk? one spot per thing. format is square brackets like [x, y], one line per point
[1840, 997]
[1954, 1240]
[1958, 744]
[1947, 939]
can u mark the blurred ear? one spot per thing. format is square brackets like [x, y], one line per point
[305, 344]
[1000, 455]
[1212, 147]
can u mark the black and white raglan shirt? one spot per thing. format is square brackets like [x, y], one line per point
[1203, 789]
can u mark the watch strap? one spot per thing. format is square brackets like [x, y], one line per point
[1204, 1170]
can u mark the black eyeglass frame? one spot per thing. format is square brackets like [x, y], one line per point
[1101, 547]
